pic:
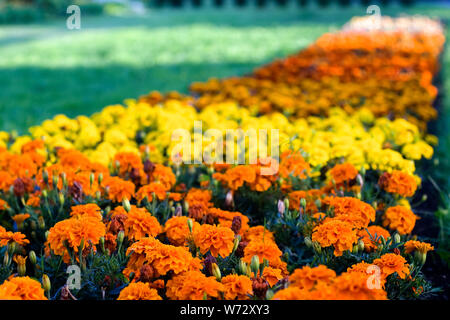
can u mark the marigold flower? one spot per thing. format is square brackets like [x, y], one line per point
[217, 240]
[177, 230]
[307, 277]
[140, 223]
[272, 275]
[398, 182]
[264, 250]
[336, 233]
[390, 263]
[148, 190]
[352, 210]
[193, 285]
[21, 288]
[90, 209]
[413, 245]
[8, 237]
[74, 231]
[400, 218]
[372, 241]
[139, 291]
[118, 188]
[237, 286]
[341, 173]
[163, 258]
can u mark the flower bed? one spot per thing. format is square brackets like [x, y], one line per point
[106, 196]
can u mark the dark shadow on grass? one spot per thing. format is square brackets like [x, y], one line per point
[24, 101]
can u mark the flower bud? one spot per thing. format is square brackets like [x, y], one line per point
[229, 199]
[216, 271]
[303, 203]
[21, 269]
[286, 203]
[281, 207]
[308, 242]
[254, 265]
[32, 256]
[46, 283]
[61, 198]
[45, 176]
[120, 237]
[46, 234]
[397, 238]
[44, 193]
[190, 225]
[269, 294]
[55, 180]
[64, 180]
[178, 211]
[6, 259]
[91, 178]
[186, 206]
[360, 245]
[237, 239]
[11, 248]
[355, 249]
[126, 204]
[100, 178]
[317, 247]
[41, 222]
[242, 267]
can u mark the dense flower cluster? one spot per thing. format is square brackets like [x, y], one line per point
[333, 221]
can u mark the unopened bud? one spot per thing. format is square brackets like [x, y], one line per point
[254, 265]
[281, 207]
[45, 176]
[237, 239]
[100, 178]
[360, 245]
[6, 259]
[11, 248]
[44, 193]
[303, 203]
[242, 267]
[355, 249]
[61, 198]
[317, 247]
[41, 222]
[126, 204]
[120, 237]
[91, 178]
[308, 242]
[46, 283]
[32, 256]
[269, 294]
[397, 238]
[216, 271]
[190, 224]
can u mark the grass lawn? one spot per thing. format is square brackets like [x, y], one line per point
[46, 69]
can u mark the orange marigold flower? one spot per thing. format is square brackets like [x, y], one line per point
[398, 182]
[195, 195]
[20, 218]
[33, 201]
[237, 176]
[177, 230]
[150, 189]
[193, 285]
[336, 233]
[292, 293]
[90, 209]
[118, 188]
[237, 286]
[163, 175]
[371, 236]
[341, 173]
[258, 233]
[264, 250]
[139, 291]
[21, 288]
[390, 263]
[9, 236]
[126, 162]
[217, 240]
[307, 277]
[163, 258]
[225, 218]
[353, 286]
[140, 223]
[400, 218]
[272, 275]
[356, 212]
[293, 163]
[74, 231]
[413, 245]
